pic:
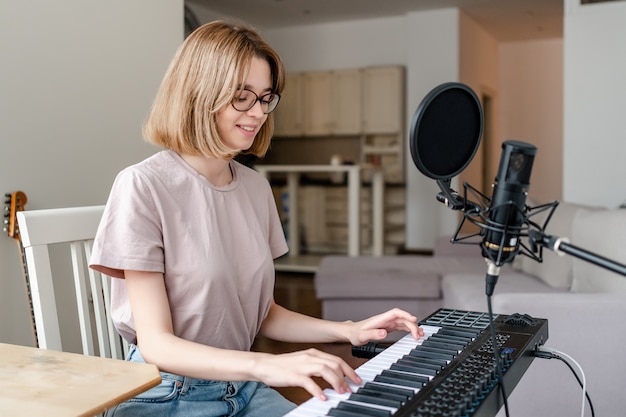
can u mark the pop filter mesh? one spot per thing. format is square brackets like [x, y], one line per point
[446, 131]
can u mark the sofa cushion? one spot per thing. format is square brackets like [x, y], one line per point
[404, 276]
[604, 234]
[466, 291]
[376, 277]
[555, 270]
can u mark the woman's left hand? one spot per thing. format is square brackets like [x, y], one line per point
[377, 327]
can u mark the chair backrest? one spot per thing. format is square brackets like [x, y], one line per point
[76, 227]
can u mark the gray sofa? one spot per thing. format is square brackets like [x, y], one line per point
[585, 305]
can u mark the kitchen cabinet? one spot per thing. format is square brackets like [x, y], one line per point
[289, 115]
[342, 102]
[318, 110]
[346, 100]
[332, 102]
[383, 100]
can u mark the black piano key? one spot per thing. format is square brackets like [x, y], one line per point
[398, 381]
[451, 338]
[410, 366]
[437, 364]
[342, 413]
[388, 389]
[378, 400]
[401, 379]
[405, 375]
[377, 396]
[456, 331]
[453, 352]
[358, 410]
[429, 353]
[383, 379]
[443, 345]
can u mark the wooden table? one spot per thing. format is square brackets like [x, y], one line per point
[38, 382]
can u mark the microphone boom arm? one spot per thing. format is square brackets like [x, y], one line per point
[561, 246]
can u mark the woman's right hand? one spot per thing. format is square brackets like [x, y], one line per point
[299, 368]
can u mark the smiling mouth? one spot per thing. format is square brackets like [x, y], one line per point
[247, 128]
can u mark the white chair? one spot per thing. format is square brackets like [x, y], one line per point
[75, 228]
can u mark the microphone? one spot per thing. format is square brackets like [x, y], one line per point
[507, 214]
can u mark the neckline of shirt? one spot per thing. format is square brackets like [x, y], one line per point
[228, 187]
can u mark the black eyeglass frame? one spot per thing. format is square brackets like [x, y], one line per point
[257, 99]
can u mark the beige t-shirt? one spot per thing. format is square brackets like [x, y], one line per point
[214, 245]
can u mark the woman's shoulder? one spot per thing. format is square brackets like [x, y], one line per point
[154, 164]
[145, 172]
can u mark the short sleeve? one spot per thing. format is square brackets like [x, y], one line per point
[129, 236]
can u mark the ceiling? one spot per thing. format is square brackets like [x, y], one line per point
[506, 20]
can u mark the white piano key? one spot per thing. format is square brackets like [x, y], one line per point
[368, 371]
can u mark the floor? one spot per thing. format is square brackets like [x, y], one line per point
[295, 291]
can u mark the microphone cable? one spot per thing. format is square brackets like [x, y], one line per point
[550, 353]
[496, 355]
[368, 350]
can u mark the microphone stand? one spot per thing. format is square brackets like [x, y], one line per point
[562, 246]
[491, 279]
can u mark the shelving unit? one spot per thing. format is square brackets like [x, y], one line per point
[353, 173]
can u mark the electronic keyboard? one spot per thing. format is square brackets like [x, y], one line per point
[450, 372]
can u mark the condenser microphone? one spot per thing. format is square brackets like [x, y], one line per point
[445, 134]
[507, 214]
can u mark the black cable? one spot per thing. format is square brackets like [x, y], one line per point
[549, 355]
[496, 355]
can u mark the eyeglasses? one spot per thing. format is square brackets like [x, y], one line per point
[246, 99]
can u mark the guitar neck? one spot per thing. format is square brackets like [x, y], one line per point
[29, 294]
[15, 202]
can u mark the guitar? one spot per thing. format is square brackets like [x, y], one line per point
[15, 202]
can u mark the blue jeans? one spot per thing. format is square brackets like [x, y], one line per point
[190, 397]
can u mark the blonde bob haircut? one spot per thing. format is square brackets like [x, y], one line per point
[203, 78]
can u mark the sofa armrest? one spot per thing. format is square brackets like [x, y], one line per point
[589, 328]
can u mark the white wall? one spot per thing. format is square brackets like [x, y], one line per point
[594, 102]
[340, 45]
[77, 79]
[531, 99]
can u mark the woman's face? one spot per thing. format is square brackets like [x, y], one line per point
[238, 129]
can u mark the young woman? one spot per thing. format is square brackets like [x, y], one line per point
[192, 235]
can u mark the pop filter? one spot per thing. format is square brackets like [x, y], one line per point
[446, 131]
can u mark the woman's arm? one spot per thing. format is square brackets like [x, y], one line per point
[288, 326]
[159, 346]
